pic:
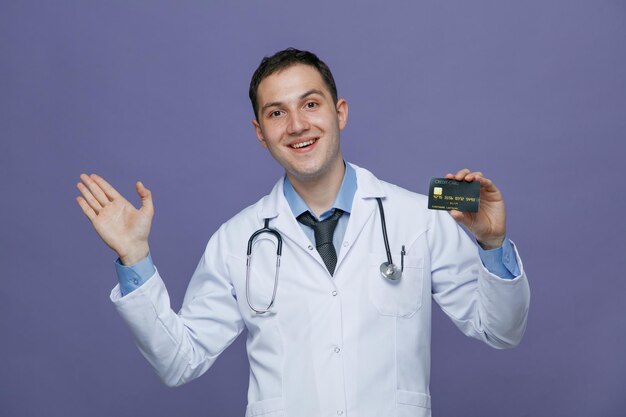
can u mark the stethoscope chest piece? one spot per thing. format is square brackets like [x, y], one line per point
[390, 271]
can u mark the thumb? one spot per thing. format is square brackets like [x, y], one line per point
[458, 216]
[146, 198]
[466, 219]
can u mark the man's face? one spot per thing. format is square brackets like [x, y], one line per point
[299, 123]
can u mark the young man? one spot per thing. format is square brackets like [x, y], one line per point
[328, 334]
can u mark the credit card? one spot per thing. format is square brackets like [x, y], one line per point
[445, 194]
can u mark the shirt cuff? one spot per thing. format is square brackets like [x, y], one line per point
[501, 261]
[133, 277]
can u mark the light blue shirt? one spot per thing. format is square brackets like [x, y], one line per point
[343, 201]
[501, 261]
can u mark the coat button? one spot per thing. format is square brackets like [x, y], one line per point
[334, 293]
[310, 247]
[337, 350]
[346, 244]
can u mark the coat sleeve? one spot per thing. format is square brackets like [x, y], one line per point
[481, 304]
[181, 347]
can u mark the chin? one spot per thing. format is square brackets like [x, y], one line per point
[305, 175]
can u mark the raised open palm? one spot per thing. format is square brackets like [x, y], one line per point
[120, 225]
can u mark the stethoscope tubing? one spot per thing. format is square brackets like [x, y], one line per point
[388, 269]
[384, 227]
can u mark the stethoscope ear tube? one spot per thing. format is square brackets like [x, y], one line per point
[279, 250]
[266, 229]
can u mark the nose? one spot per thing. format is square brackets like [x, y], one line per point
[298, 123]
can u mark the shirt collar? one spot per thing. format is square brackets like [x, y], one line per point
[343, 201]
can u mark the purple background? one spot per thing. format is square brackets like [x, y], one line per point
[532, 93]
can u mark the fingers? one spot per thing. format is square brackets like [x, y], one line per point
[457, 215]
[146, 198]
[95, 190]
[459, 176]
[460, 216]
[486, 184]
[96, 194]
[464, 175]
[91, 215]
[469, 176]
[466, 219]
[473, 176]
[89, 198]
[110, 192]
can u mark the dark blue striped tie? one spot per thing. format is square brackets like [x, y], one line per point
[324, 231]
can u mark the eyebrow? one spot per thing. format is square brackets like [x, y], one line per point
[302, 96]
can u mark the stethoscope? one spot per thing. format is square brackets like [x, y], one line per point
[388, 269]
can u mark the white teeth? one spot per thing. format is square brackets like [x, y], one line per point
[303, 144]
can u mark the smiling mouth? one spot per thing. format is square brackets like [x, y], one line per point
[303, 144]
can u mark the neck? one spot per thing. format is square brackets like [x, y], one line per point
[320, 193]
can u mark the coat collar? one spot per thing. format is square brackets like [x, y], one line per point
[274, 202]
[275, 207]
[368, 187]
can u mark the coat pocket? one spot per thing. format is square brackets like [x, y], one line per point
[273, 407]
[413, 404]
[401, 298]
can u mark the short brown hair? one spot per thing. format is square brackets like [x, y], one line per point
[285, 59]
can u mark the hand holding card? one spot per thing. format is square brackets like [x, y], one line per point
[488, 223]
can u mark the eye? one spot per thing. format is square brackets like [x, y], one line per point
[275, 113]
[311, 105]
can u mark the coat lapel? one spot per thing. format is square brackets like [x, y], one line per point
[364, 207]
[276, 208]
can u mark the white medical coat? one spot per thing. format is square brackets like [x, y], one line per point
[353, 345]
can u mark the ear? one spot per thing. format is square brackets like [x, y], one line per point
[259, 132]
[342, 113]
